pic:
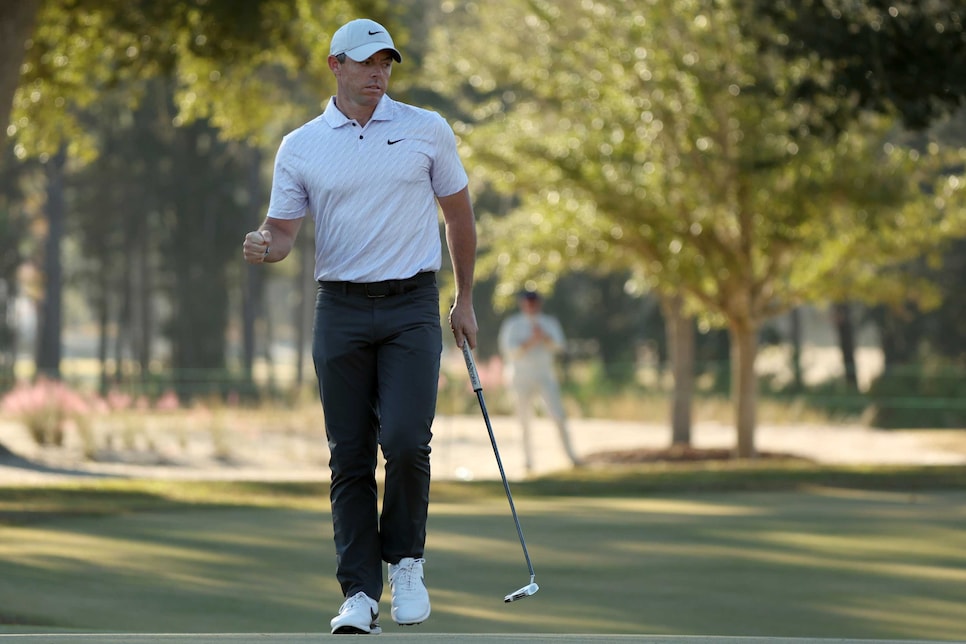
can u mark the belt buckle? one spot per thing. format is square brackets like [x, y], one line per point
[376, 296]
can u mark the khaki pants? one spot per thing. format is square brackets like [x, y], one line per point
[527, 388]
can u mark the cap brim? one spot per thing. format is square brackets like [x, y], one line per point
[363, 52]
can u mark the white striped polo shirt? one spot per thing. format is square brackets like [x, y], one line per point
[371, 190]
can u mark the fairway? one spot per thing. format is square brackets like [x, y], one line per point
[187, 558]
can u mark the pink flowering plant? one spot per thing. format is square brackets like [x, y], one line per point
[56, 415]
[48, 408]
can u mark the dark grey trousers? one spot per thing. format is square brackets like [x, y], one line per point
[377, 362]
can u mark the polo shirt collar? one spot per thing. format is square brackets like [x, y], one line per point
[335, 118]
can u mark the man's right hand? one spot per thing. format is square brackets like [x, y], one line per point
[257, 246]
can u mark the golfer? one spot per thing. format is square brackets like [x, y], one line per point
[529, 340]
[371, 171]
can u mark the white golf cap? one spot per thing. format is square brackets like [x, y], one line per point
[360, 39]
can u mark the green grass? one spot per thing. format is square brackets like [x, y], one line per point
[734, 550]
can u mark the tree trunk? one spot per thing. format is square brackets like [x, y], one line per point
[8, 332]
[124, 337]
[795, 330]
[305, 274]
[744, 350]
[267, 350]
[842, 318]
[17, 20]
[251, 287]
[142, 330]
[252, 296]
[899, 338]
[103, 335]
[202, 244]
[123, 331]
[51, 316]
[681, 345]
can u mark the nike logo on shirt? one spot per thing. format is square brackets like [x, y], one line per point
[391, 142]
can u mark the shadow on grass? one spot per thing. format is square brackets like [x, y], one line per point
[14, 460]
[615, 480]
[731, 550]
[23, 504]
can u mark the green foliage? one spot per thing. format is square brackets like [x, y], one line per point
[656, 137]
[947, 324]
[834, 401]
[675, 156]
[919, 396]
[883, 55]
[253, 69]
[166, 89]
[670, 143]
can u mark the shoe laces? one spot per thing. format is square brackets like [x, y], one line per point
[359, 598]
[406, 577]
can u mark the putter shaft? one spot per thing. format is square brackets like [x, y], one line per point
[532, 587]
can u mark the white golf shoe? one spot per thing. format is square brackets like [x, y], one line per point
[410, 599]
[359, 615]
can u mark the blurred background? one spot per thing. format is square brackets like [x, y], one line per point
[756, 207]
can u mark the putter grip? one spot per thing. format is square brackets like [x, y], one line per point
[471, 367]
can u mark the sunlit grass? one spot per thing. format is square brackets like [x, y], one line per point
[865, 561]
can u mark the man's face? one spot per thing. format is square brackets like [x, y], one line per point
[363, 83]
[530, 305]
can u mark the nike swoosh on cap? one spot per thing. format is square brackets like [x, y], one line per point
[373, 33]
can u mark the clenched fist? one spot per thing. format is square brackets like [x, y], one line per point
[257, 245]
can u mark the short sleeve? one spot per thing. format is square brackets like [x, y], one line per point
[289, 198]
[448, 174]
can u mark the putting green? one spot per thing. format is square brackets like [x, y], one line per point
[448, 638]
[823, 563]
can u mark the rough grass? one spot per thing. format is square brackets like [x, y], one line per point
[25, 504]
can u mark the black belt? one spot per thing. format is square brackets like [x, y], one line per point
[380, 289]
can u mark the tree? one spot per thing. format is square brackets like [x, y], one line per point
[224, 59]
[887, 56]
[659, 138]
[235, 65]
[16, 24]
[13, 235]
[233, 62]
[158, 215]
[51, 315]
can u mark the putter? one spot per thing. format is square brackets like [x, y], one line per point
[532, 587]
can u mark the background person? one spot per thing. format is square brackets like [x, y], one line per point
[371, 171]
[529, 342]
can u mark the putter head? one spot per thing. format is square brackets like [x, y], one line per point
[526, 591]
